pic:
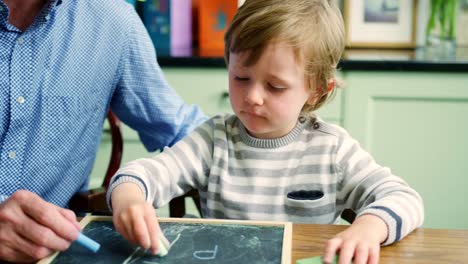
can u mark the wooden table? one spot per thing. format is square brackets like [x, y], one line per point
[423, 246]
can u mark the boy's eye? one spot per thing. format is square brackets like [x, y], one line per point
[276, 88]
[242, 79]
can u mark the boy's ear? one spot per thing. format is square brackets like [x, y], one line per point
[331, 85]
[314, 96]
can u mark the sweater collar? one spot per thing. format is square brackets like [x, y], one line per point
[274, 142]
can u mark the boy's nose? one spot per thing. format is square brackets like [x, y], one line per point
[254, 96]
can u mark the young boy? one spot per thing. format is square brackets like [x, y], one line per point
[274, 159]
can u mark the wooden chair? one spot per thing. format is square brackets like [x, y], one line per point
[94, 201]
[177, 205]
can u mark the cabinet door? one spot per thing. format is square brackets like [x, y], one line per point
[207, 88]
[416, 124]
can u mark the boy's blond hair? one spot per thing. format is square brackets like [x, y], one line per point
[314, 28]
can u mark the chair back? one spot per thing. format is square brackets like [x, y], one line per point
[94, 200]
[117, 148]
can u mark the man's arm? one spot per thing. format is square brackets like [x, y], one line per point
[144, 100]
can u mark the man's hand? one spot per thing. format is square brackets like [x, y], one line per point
[31, 229]
[359, 243]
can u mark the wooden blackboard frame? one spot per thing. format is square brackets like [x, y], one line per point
[287, 231]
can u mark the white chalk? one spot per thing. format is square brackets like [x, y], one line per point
[163, 246]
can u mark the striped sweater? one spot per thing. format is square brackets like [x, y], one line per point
[309, 175]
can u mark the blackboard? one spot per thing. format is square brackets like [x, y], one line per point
[200, 241]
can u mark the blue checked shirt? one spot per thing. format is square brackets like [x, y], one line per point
[59, 77]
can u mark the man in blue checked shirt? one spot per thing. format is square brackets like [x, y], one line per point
[63, 63]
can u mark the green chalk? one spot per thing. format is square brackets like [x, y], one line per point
[315, 260]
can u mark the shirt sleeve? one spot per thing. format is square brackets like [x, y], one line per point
[176, 170]
[143, 99]
[369, 188]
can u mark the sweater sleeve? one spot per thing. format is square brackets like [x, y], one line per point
[368, 188]
[175, 170]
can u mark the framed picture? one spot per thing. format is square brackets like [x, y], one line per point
[380, 23]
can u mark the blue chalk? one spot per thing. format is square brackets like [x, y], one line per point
[88, 243]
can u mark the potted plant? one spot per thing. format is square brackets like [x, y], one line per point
[441, 25]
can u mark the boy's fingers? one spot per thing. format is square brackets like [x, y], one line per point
[140, 230]
[361, 254]
[374, 255]
[331, 249]
[346, 253]
[154, 231]
[123, 225]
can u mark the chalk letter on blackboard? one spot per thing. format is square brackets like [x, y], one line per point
[206, 254]
[135, 255]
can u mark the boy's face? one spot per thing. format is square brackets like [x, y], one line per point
[269, 95]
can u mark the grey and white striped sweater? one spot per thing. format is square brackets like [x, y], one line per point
[310, 176]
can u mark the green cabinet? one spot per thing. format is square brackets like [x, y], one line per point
[207, 88]
[417, 125]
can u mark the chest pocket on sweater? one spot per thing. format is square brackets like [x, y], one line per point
[314, 204]
[305, 195]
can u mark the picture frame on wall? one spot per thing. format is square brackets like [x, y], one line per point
[380, 23]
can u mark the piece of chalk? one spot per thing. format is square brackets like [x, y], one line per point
[88, 243]
[163, 246]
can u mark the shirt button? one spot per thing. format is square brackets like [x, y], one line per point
[20, 40]
[20, 99]
[12, 154]
[316, 125]
[47, 17]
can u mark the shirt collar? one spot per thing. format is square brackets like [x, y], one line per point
[55, 3]
[3, 14]
[48, 8]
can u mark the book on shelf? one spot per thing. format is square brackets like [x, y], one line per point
[169, 24]
[214, 17]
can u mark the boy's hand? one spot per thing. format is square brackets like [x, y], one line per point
[134, 218]
[360, 243]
